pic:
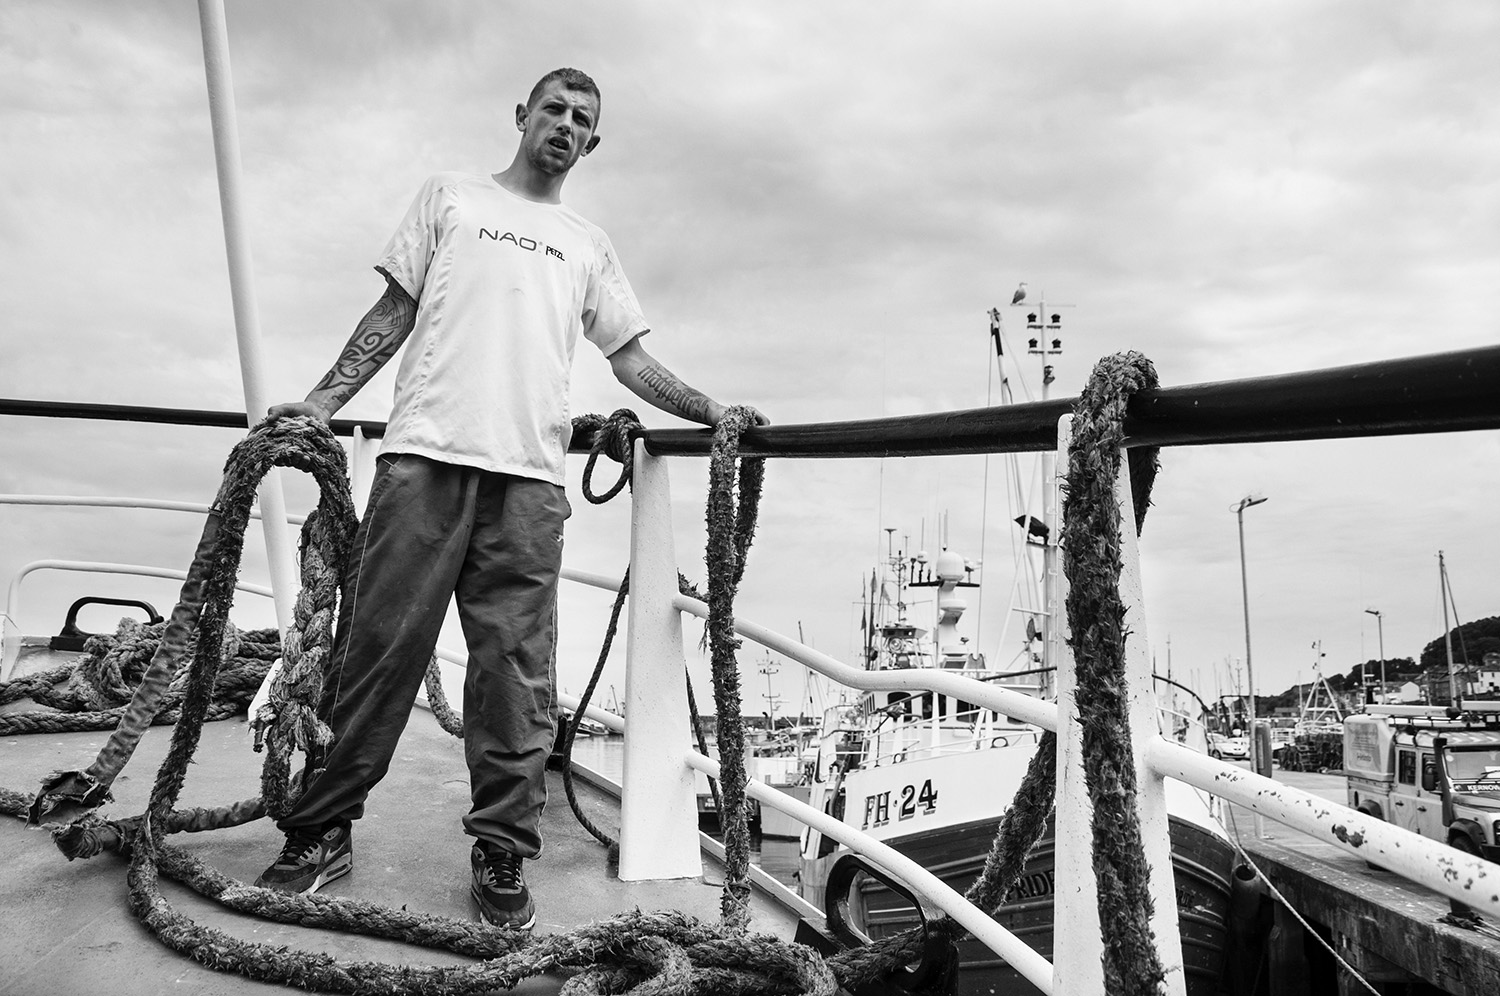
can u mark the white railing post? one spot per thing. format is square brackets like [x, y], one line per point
[361, 468]
[1151, 787]
[659, 807]
[1076, 964]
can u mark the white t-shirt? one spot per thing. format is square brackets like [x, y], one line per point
[503, 286]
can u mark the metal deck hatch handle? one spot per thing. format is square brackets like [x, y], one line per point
[72, 638]
[936, 972]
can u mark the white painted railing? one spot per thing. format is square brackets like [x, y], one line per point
[659, 814]
[12, 635]
[655, 662]
[10, 627]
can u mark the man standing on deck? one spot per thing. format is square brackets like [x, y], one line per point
[491, 279]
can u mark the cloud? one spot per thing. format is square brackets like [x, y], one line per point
[817, 204]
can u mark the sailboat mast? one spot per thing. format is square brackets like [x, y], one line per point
[1454, 698]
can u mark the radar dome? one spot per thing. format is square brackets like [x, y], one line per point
[950, 566]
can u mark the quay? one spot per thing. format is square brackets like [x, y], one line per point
[1399, 936]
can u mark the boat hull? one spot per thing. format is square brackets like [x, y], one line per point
[1202, 867]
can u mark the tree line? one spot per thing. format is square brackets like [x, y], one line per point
[1471, 642]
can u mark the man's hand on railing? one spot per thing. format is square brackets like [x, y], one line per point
[294, 408]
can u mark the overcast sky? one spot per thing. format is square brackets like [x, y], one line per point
[816, 204]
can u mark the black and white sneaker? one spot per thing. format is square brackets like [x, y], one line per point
[311, 858]
[500, 889]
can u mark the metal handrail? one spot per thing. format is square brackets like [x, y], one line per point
[155, 504]
[11, 642]
[1441, 392]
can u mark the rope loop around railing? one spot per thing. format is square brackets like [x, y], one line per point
[1092, 559]
[614, 436]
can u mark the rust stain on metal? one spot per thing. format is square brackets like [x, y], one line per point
[1353, 838]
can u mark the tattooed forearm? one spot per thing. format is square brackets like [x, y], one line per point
[675, 396]
[376, 339]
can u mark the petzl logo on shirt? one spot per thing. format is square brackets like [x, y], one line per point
[519, 241]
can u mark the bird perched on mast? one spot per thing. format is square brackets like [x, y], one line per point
[1020, 294]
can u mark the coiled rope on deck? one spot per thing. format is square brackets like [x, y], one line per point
[91, 692]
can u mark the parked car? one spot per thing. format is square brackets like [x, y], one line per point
[1441, 781]
[1228, 748]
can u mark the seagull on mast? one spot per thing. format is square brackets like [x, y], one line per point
[1020, 294]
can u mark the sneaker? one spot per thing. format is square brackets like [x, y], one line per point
[500, 889]
[311, 858]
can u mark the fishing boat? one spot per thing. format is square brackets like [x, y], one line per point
[931, 775]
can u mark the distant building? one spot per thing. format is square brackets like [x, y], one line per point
[1486, 682]
[1473, 681]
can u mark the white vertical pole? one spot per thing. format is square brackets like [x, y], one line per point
[658, 807]
[1076, 962]
[1151, 788]
[361, 469]
[242, 292]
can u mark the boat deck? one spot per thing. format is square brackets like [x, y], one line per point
[65, 927]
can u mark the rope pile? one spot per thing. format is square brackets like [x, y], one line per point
[660, 952]
[635, 952]
[91, 692]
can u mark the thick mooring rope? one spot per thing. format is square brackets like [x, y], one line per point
[669, 952]
[731, 527]
[616, 436]
[1096, 617]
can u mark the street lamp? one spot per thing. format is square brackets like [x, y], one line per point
[1380, 630]
[1239, 511]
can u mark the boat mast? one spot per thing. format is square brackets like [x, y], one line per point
[1045, 341]
[1018, 497]
[1455, 698]
[768, 668]
[242, 294]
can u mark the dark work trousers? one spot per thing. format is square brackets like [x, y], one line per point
[432, 530]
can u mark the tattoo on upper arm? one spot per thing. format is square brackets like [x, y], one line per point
[377, 337]
[674, 394]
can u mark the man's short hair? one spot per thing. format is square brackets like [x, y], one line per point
[573, 79]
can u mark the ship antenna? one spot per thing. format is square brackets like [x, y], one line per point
[1044, 328]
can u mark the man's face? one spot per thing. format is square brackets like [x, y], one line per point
[558, 128]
